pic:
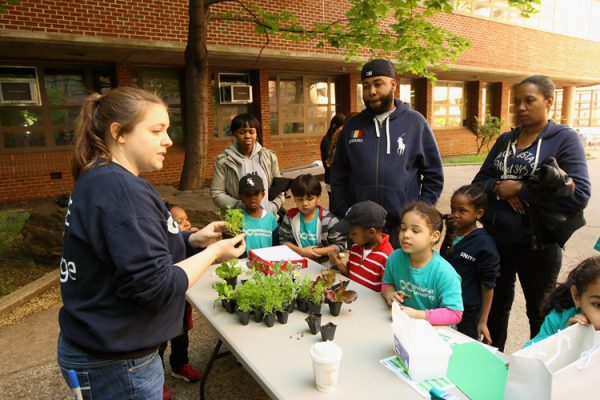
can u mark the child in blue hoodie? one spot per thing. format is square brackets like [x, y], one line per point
[472, 252]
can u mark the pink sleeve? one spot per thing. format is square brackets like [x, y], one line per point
[386, 285]
[443, 316]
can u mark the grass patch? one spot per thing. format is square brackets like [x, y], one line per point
[465, 159]
[17, 268]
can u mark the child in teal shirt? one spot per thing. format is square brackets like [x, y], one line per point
[419, 278]
[259, 225]
[575, 301]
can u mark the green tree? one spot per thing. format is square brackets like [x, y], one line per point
[410, 38]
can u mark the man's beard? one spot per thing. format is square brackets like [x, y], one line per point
[384, 106]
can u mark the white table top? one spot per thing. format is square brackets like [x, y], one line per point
[279, 359]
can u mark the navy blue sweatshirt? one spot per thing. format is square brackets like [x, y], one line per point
[121, 291]
[559, 141]
[476, 260]
[391, 164]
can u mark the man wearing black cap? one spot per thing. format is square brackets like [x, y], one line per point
[386, 154]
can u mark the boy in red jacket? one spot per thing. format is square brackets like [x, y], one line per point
[363, 223]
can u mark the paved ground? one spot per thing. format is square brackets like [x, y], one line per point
[28, 369]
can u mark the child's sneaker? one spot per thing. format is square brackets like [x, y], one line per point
[166, 393]
[187, 373]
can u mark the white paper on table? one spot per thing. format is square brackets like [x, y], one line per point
[421, 387]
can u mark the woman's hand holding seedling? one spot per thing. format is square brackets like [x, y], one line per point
[208, 235]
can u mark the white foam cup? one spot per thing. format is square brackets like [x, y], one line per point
[326, 358]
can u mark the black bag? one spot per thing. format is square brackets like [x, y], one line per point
[548, 227]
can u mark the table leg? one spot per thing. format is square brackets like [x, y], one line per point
[215, 355]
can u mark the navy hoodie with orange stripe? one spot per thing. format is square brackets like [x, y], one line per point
[392, 164]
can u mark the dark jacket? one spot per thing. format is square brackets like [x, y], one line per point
[401, 165]
[120, 287]
[476, 260]
[558, 141]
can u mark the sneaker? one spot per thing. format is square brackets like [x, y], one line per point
[187, 373]
[166, 393]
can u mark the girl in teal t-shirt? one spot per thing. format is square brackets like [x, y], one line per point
[417, 276]
[575, 301]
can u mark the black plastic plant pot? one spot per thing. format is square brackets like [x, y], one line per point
[232, 281]
[301, 305]
[328, 331]
[335, 308]
[282, 316]
[290, 307]
[314, 323]
[269, 319]
[244, 317]
[259, 315]
[227, 235]
[314, 308]
[230, 306]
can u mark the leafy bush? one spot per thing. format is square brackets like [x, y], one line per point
[488, 131]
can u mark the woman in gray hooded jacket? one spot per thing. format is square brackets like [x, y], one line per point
[245, 156]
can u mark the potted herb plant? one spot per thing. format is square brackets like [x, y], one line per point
[303, 293]
[270, 302]
[315, 300]
[234, 221]
[243, 298]
[338, 295]
[229, 271]
[226, 295]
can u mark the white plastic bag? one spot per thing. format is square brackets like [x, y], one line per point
[565, 365]
[423, 351]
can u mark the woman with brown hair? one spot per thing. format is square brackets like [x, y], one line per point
[123, 295]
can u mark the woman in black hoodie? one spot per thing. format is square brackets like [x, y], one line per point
[510, 176]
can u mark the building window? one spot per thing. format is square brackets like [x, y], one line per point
[448, 104]
[556, 16]
[587, 108]
[166, 84]
[301, 104]
[50, 123]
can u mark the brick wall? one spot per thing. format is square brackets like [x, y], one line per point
[455, 141]
[512, 47]
[27, 175]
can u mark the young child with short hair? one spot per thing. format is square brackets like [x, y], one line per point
[575, 301]
[473, 254]
[416, 276]
[308, 228]
[178, 359]
[371, 247]
[260, 226]
[181, 218]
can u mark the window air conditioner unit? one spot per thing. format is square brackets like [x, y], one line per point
[235, 94]
[19, 91]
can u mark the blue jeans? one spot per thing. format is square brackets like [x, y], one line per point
[136, 379]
